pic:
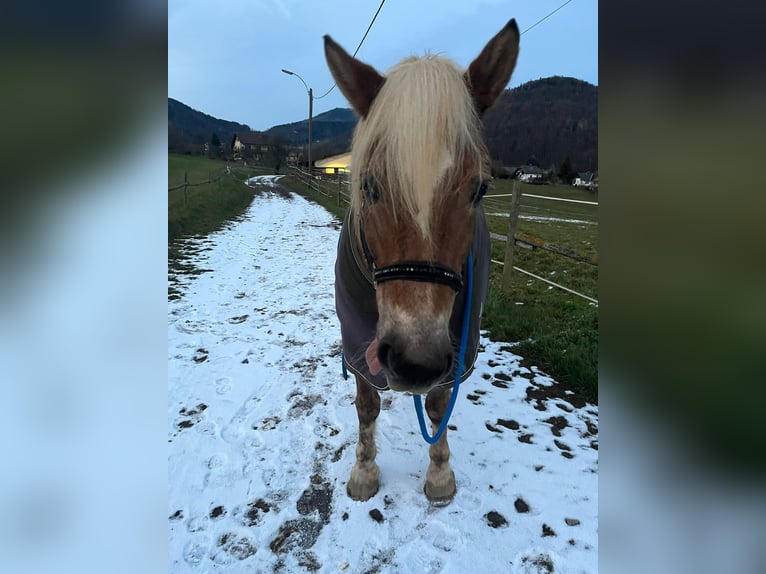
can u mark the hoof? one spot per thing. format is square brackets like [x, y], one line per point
[363, 485]
[441, 493]
[361, 492]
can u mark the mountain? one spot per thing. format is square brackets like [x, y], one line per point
[189, 129]
[549, 119]
[546, 120]
[331, 132]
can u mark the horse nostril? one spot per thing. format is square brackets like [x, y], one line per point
[384, 352]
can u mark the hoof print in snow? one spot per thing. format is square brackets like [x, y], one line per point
[269, 423]
[541, 563]
[177, 515]
[245, 361]
[218, 512]
[309, 561]
[230, 545]
[547, 530]
[338, 452]
[565, 448]
[388, 502]
[526, 438]
[192, 416]
[316, 498]
[521, 506]
[492, 429]
[572, 521]
[376, 515]
[193, 411]
[200, 356]
[474, 399]
[237, 320]
[345, 516]
[495, 519]
[254, 511]
[303, 405]
[509, 424]
[499, 384]
[300, 533]
[557, 424]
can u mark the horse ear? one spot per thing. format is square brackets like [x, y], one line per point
[358, 81]
[488, 74]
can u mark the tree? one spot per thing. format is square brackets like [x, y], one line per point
[215, 145]
[280, 152]
[567, 172]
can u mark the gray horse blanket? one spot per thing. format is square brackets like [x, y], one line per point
[358, 313]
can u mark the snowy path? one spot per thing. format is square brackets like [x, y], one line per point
[262, 429]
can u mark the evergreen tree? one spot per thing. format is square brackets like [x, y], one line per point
[566, 171]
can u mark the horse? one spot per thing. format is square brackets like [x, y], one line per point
[415, 223]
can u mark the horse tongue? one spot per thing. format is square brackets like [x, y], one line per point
[371, 356]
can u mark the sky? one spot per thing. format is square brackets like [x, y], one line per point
[225, 58]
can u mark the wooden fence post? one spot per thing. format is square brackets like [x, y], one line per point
[186, 193]
[337, 171]
[513, 217]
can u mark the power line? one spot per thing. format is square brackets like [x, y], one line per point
[546, 17]
[360, 44]
[381, 6]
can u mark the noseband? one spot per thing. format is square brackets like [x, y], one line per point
[421, 271]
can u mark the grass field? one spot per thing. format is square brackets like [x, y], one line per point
[205, 207]
[552, 328]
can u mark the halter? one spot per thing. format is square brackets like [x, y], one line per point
[428, 272]
[421, 271]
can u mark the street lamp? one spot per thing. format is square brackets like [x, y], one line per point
[311, 108]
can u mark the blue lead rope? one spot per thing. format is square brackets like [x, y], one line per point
[458, 368]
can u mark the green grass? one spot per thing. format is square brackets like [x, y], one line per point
[206, 207]
[552, 329]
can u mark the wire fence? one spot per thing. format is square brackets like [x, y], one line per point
[337, 185]
[186, 185]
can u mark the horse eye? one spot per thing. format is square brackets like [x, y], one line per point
[478, 192]
[370, 190]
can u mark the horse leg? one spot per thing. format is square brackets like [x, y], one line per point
[440, 480]
[363, 483]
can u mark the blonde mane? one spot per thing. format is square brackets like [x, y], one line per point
[421, 131]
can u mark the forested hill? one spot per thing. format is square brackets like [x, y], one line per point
[544, 121]
[548, 119]
[189, 127]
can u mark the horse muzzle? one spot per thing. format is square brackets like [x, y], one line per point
[414, 368]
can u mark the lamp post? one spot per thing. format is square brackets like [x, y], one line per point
[311, 108]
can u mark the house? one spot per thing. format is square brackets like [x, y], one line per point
[335, 163]
[586, 179]
[529, 174]
[294, 154]
[253, 145]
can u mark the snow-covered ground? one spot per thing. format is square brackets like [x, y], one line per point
[262, 430]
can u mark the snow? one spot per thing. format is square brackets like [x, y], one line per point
[543, 219]
[262, 430]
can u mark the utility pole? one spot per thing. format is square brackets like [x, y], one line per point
[311, 111]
